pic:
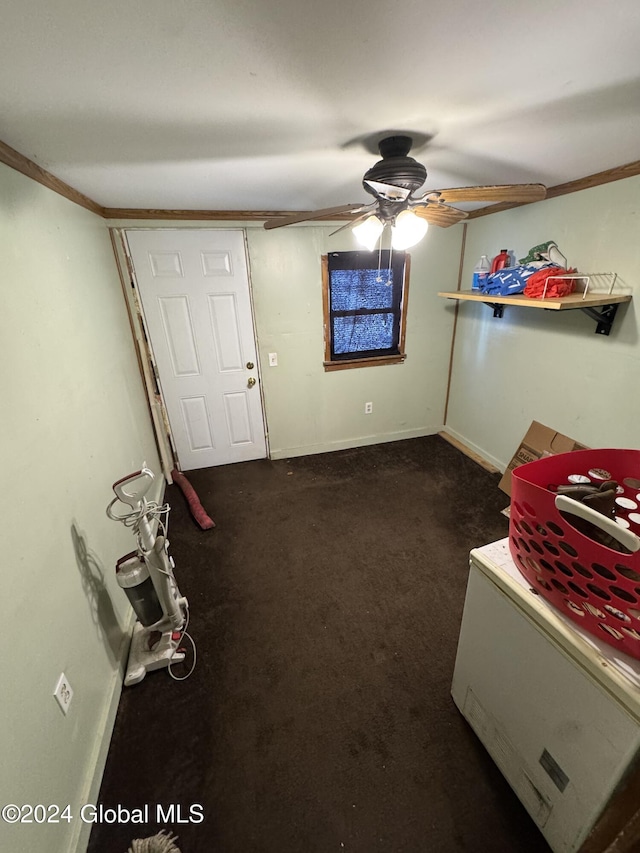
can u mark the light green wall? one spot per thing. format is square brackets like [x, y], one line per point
[74, 419]
[308, 410]
[551, 366]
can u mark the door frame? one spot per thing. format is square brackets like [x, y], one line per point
[144, 349]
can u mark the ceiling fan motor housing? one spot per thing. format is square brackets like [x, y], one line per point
[396, 167]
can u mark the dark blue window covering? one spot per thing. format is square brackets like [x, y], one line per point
[365, 303]
[361, 333]
[355, 289]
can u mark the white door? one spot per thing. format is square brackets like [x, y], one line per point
[194, 286]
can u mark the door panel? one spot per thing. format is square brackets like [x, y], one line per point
[238, 419]
[224, 320]
[196, 421]
[179, 335]
[194, 288]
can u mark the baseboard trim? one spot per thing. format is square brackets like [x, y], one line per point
[348, 444]
[80, 839]
[479, 456]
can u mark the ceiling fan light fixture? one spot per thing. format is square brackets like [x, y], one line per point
[368, 233]
[407, 230]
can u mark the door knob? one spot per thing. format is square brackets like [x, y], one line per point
[251, 382]
[250, 365]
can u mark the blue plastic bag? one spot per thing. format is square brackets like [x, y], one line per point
[512, 280]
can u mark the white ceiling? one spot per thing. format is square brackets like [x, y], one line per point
[258, 104]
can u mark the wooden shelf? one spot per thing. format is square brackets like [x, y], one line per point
[574, 300]
[607, 302]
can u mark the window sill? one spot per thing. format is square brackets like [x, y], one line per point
[347, 364]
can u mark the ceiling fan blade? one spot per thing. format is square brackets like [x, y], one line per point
[439, 214]
[353, 222]
[503, 192]
[388, 191]
[306, 216]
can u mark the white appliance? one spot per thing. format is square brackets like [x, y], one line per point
[558, 710]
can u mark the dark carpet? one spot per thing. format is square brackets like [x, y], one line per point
[326, 606]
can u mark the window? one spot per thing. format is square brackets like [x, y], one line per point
[365, 304]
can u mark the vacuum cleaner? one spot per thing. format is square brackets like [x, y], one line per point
[147, 578]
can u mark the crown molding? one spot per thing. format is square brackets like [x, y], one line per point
[630, 170]
[221, 215]
[10, 157]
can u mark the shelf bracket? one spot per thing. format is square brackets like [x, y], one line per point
[604, 317]
[498, 309]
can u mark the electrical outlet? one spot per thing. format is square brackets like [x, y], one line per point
[63, 693]
[273, 359]
[368, 408]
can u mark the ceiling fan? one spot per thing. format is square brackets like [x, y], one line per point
[393, 182]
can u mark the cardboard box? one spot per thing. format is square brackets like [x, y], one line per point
[539, 441]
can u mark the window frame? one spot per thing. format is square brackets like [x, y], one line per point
[330, 364]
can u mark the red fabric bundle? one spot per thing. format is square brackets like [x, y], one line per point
[558, 287]
[197, 510]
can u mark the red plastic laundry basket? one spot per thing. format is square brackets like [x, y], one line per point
[595, 585]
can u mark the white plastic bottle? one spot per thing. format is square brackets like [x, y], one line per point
[480, 272]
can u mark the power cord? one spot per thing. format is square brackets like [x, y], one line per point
[193, 646]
